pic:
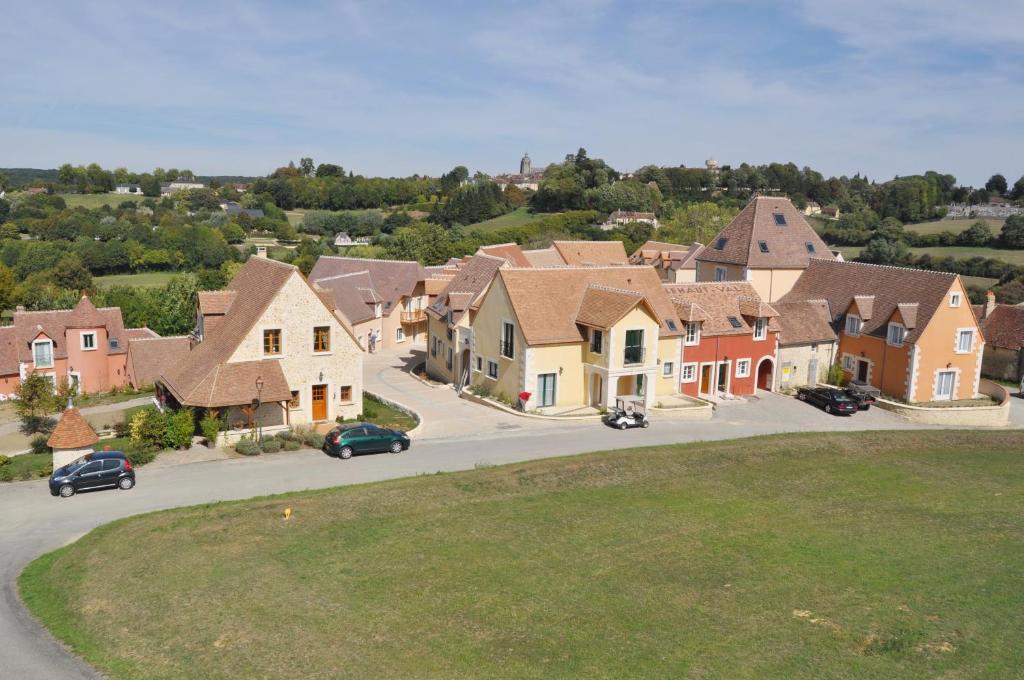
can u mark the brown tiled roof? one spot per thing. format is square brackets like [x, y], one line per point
[72, 432]
[721, 300]
[8, 350]
[143, 333]
[149, 357]
[592, 253]
[755, 307]
[804, 322]
[865, 305]
[215, 301]
[1004, 327]
[787, 244]
[473, 278]
[603, 307]
[84, 315]
[544, 257]
[691, 311]
[347, 295]
[839, 282]
[510, 251]
[436, 285]
[392, 279]
[667, 255]
[205, 379]
[54, 324]
[908, 311]
[459, 302]
[546, 301]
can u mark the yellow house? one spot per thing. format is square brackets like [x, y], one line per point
[575, 337]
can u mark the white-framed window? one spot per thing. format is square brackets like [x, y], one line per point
[668, 368]
[596, 341]
[742, 368]
[42, 353]
[492, 369]
[897, 333]
[508, 340]
[399, 334]
[721, 273]
[88, 341]
[954, 299]
[848, 362]
[945, 385]
[692, 333]
[688, 373]
[478, 366]
[964, 340]
[853, 324]
[378, 311]
[760, 328]
[450, 359]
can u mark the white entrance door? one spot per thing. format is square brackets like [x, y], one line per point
[546, 389]
[944, 385]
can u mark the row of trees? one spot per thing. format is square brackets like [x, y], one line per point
[864, 226]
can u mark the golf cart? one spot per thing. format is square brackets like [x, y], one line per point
[627, 412]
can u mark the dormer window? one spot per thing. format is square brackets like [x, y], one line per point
[720, 243]
[810, 248]
[692, 333]
[377, 312]
[896, 335]
[763, 246]
[780, 219]
[761, 328]
[853, 324]
[42, 353]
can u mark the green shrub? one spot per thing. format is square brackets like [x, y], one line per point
[4, 460]
[271, 445]
[292, 445]
[6, 474]
[39, 445]
[122, 430]
[140, 455]
[247, 447]
[210, 426]
[369, 411]
[181, 425]
[836, 375]
[313, 440]
[148, 428]
[45, 471]
[287, 436]
[482, 391]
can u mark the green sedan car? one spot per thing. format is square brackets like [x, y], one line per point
[346, 440]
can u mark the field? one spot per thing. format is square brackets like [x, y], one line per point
[516, 218]
[144, 280]
[1012, 256]
[857, 555]
[98, 200]
[955, 226]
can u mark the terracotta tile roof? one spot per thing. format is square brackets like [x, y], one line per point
[722, 300]
[473, 279]
[546, 301]
[667, 255]
[84, 315]
[510, 251]
[392, 279]
[54, 324]
[72, 432]
[148, 358]
[215, 301]
[691, 311]
[603, 307]
[140, 334]
[804, 322]
[435, 286]
[908, 311]
[348, 295]
[1004, 327]
[8, 350]
[839, 283]
[205, 379]
[865, 305]
[787, 244]
[592, 253]
[544, 257]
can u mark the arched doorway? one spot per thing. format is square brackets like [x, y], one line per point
[765, 373]
[464, 369]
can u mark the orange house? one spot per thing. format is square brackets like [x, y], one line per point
[909, 332]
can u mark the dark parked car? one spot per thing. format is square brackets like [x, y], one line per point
[346, 440]
[863, 399]
[829, 398]
[93, 471]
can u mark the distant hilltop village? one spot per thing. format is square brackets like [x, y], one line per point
[528, 178]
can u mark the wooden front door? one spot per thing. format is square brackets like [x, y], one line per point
[319, 402]
[705, 379]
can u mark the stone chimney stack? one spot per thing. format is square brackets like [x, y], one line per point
[990, 304]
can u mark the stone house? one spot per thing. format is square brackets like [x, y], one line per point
[807, 343]
[1003, 328]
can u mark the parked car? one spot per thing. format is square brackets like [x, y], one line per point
[863, 394]
[346, 440]
[829, 398]
[627, 413]
[93, 471]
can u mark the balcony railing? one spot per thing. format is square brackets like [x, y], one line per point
[633, 356]
[415, 316]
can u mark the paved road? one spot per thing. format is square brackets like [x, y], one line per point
[32, 522]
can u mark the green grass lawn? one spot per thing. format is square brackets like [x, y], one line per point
[99, 200]
[27, 466]
[143, 280]
[955, 226]
[1012, 256]
[855, 555]
[377, 412]
[516, 218]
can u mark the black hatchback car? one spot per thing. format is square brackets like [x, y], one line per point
[829, 398]
[93, 471]
[349, 439]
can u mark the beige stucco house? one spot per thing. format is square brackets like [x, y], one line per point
[807, 343]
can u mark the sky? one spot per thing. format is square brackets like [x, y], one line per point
[879, 87]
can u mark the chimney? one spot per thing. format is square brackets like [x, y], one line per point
[990, 304]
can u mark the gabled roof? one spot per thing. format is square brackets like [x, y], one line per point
[72, 431]
[143, 333]
[466, 287]
[16, 344]
[1004, 327]
[787, 244]
[547, 301]
[804, 322]
[8, 350]
[722, 301]
[148, 358]
[392, 279]
[85, 315]
[603, 307]
[865, 305]
[839, 283]
[592, 253]
[544, 257]
[667, 255]
[215, 301]
[510, 251]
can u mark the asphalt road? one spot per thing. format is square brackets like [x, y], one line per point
[32, 522]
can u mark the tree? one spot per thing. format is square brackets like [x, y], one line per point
[7, 287]
[71, 274]
[5, 209]
[996, 184]
[329, 170]
[1017, 193]
[35, 403]
[1011, 292]
[977, 235]
[150, 185]
[1012, 233]
[306, 165]
[881, 251]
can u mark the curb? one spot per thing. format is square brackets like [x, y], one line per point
[400, 407]
[537, 416]
[420, 380]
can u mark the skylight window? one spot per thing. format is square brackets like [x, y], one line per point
[671, 324]
[763, 245]
[810, 247]
[720, 243]
[735, 322]
[780, 219]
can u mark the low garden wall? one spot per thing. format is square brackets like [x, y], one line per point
[996, 415]
[399, 407]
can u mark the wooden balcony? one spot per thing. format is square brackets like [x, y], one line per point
[415, 316]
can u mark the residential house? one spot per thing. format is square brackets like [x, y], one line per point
[270, 352]
[234, 208]
[674, 263]
[168, 188]
[730, 338]
[356, 298]
[399, 287]
[127, 189]
[86, 346]
[909, 332]
[807, 343]
[620, 217]
[150, 355]
[831, 212]
[574, 337]
[769, 244]
[1003, 328]
[812, 208]
[343, 240]
[591, 253]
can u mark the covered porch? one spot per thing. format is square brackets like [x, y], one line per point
[604, 386]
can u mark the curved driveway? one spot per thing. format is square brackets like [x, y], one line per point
[32, 522]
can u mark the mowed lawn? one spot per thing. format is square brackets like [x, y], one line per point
[1012, 256]
[100, 200]
[143, 280]
[955, 226]
[867, 555]
[516, 218]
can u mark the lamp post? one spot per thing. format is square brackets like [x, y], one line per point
[259, 402]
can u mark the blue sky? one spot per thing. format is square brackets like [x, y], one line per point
[882, 87]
